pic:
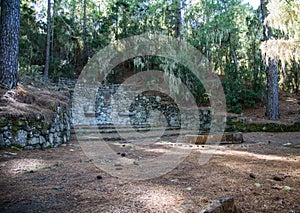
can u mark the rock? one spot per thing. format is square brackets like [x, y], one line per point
[65, 139]
[158, 99]
[237, 137]
[225, 138]
[52, 129]
[46, 145]
[42, 140]
[99, 177]
[51, 138]
[8, 135]
[279, 178]
[38, 117]
[222, 205]
[21, 138]
[278, 187]
[58, 188]
[2, 140]
[3, 121]
[11, 153]
[34, 141]
[29, 147]
[7, 142]
[252, 175]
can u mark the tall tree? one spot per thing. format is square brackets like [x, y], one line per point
[272, 108]
[178, 17]
[284, 18]
[46, 71]
[9, 43]
[84, 22]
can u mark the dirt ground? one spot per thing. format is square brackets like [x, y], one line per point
[289, 110]
[262, 174]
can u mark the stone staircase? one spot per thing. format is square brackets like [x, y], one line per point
[127, 134]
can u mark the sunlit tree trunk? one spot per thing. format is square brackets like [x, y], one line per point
[9, 43]
[272, 108]
[235, 60]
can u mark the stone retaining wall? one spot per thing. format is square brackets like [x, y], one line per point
[108, 107]
[36, 131]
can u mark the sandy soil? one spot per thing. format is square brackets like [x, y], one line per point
[262, 174]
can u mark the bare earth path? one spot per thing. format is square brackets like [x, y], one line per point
[262, 174]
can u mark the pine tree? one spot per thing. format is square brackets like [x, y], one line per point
[9, 43]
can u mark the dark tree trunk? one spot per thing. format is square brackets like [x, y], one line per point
[272, 96]
[272, 108]
[9, 43]
[52, 29]
[46, 71]
[178, 19]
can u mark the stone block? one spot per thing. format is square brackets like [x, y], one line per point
[225, 138]
[21, 138]
[222, 205]
[33, 141]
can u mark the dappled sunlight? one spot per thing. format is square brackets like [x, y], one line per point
[159, 198]
[258, 156]
[16, 166]
[292, 100]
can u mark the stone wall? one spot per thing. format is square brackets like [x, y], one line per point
[108, 105]
[36, 131]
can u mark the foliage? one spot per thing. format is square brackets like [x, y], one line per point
[227, 32]
[284, 20]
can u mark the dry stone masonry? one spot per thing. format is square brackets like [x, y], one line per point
[102, 105]
[146, 109]
[36, 132]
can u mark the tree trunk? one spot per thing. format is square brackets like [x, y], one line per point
[272, 108]
[178, 19]
[236, 63]
[9, 43]
[272, 96]
[52, 28]
[46, 71]
[84, 22]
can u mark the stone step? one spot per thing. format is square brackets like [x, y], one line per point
[107, 130]
[111, 126]
[129, 135]
[236, 137]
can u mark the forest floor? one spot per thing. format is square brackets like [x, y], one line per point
[262, 174]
